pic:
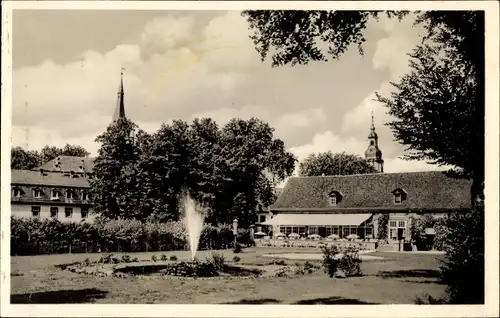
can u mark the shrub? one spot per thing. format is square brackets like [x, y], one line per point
[135, 259]
[236, 259]
[173, 258]
[346, 265]
[217, 259]
[244, 238]
[163, 257]
[463, 266]
[237, 248]
[154, 258]
[126, 258]
[383, 220]
[109, 259]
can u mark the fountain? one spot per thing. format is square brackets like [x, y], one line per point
[193, 218]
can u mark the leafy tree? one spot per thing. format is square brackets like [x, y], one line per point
[31, 159]
[51, 152]
[24, 159]
[446, 84]
[328, 163]
[255, 163]
[114, 186]
[463, 267]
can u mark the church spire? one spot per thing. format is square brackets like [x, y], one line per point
[373, 154]
[120, 104]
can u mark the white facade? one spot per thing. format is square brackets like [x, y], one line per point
[65, 213]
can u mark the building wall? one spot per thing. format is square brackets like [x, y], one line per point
[24, 210]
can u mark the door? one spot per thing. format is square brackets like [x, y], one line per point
[401, 233]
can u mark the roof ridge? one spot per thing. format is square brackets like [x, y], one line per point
[368, 174]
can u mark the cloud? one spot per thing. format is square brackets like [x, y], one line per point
[180, 68]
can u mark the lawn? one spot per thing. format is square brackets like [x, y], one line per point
[397, 279]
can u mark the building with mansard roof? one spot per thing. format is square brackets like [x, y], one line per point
[59, 188]
[353, 204]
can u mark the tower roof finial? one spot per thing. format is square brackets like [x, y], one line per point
[373, 121]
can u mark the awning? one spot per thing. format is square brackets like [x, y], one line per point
[318, 219]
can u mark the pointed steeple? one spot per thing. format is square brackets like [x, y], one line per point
[120, 104]
[373, 154]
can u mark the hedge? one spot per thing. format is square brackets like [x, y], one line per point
[31, 236]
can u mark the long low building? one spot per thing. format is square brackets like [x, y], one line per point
[353, 204]
[59, 189]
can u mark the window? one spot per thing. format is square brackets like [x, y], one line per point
[69, 194]
[369, 232]
[68, 212]
[399, 196]
[54, 211]
[35, 211]
[402, 224]
[85, 197]
[313, 230]
[54, 195]
[392, 224]
[394, 235]
[85, 213]
[17, 193]
[37, 193]
[333, 200]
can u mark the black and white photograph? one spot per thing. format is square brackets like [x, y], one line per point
[304, 153]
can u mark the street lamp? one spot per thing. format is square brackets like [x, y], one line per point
[235, 231]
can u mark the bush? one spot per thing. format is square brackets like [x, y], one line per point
[126, 258]
[463, 266]
[163, 257]
[173, 258]
[347, 265]
[383, 220]
[32, 236]
[237, 248]
[236, 259]
[109, 259]
[217, 259]
[154, 258]
[135, 259]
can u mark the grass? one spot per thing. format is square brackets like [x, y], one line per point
[397, 279]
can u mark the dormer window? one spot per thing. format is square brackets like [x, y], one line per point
[399, 196]
[85, 196]
[37, 194]
[54, 194]
[334, 198]
[17, 192]
[69, 194]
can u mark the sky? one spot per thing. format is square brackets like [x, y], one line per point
[188, 64]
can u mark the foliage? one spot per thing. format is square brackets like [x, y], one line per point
[191, 269]
[163, 257]
[445, 83]
[383, 221]
[230, 171]
[244, 238]
[30, 159]
[347, 265]
[173, 258]
[154, 258]
[24, 159]
[217, 260]
[39, 236]
[418, 226]
[237, 248]
[328, 163]
[236, 259]
[126, 259]
[463, 267]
